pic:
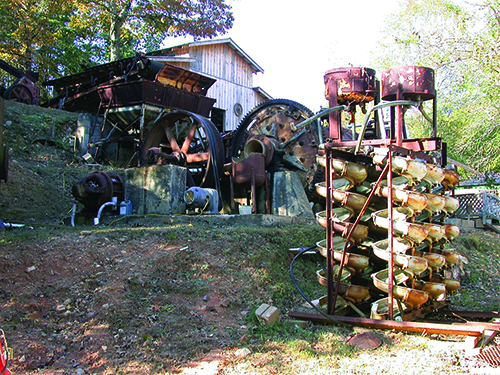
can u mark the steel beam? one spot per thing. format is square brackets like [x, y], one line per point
[463, 329]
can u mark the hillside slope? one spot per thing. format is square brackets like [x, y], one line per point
[42, 165]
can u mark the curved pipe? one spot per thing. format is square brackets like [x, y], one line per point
[73, 214]
[375, 108]
[96, 219]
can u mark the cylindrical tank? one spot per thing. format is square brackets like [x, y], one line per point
[350, 84]
[408, 83]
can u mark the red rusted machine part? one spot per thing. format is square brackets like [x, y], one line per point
[250, 171]
[414, 88]
[261, 144]
[348, 86]
[464, 329]
[187, 139]
[415, 83]
[98, 188]
[411, 83]
[279, 129]
[24, 89]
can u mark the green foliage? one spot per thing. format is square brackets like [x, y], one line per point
[125, 26]
[60, 37]
[462, 46]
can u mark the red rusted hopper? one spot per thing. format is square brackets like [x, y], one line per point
[348, 86]
[414, 83]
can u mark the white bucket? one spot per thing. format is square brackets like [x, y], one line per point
[244, 210]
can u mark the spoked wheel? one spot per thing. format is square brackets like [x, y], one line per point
[279, 121]
[19, 93]
[186, 139]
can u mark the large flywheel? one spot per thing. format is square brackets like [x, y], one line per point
[276, 124]
[186, 139]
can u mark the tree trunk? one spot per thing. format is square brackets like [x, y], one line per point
[118, 18]
[114, 38]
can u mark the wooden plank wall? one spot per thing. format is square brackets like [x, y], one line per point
[234, 79]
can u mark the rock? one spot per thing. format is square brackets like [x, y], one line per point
[242, 353]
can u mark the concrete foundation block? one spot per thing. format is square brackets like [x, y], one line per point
[467, 224]
[267, 314]
[156, 189]
[289, 197]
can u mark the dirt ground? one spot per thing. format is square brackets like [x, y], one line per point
[170, 296]
[130, 301]
[163, 298]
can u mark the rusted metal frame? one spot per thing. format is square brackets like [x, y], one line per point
[422, 144]
[400, 119]
[268, 202]
[334, 118]
[375, 108]
[463, 329]
[349, 235]
[390, 275]
[419, 154]
[483, 325]
[423, 311]
[331, 297]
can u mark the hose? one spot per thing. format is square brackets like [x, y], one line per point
[96, 219]
[73, 214]
[301, 252]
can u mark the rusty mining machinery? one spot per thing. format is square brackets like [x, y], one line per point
[23, 89]
[150, 113]
[390, 260]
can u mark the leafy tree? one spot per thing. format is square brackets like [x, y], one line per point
[461, 42]
[59, 37]
[127, 25]
[38, 35]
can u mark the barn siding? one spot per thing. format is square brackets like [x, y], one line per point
[228, 95]
[234, 77]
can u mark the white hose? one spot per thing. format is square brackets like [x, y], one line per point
[73, 213]
[96, 219]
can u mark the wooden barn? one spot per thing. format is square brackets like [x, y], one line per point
[225, 61]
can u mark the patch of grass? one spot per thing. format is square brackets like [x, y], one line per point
[480, 282]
